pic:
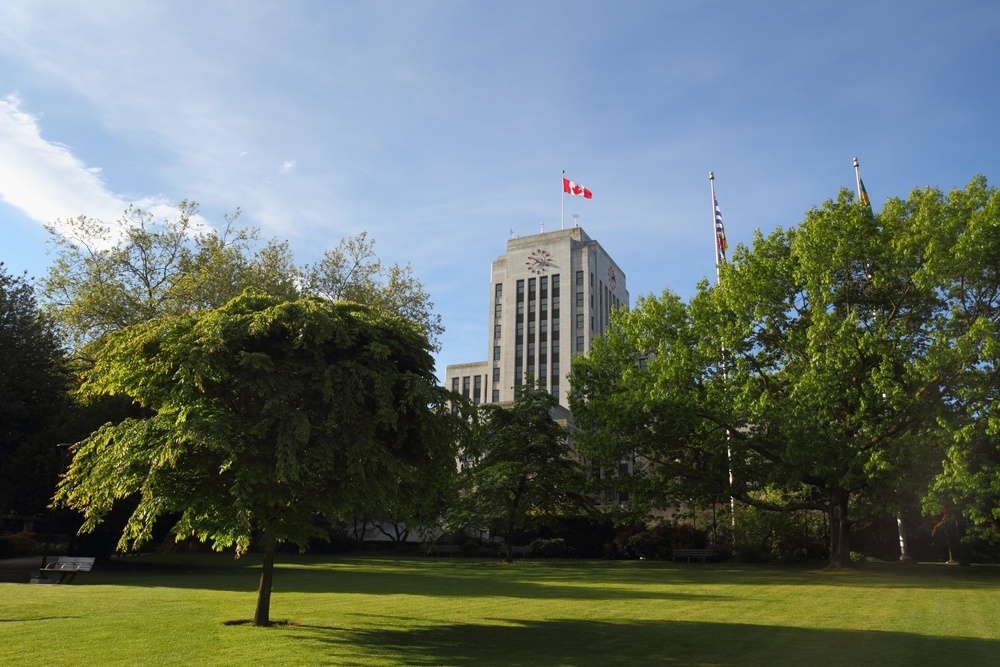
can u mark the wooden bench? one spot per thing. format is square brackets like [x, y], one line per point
[703, 554]
[446, 549]
[523, 551]
[67, 567]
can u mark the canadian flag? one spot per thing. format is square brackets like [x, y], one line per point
[571, 188]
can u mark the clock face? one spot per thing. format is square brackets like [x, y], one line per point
[539, 261]
[612, 278]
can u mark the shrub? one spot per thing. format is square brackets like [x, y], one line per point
[656, 542]
[783, 537]
[554, 548]
[19, 544]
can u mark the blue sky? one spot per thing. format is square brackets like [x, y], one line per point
[439, 127]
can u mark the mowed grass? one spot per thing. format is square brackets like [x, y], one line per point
[190, 610]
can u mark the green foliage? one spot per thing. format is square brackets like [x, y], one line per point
[521, 471]
[781, 537]
[262, 415]
[33, 384]
[831, 362]
[107, 276]
[656, 541]
[353, 272]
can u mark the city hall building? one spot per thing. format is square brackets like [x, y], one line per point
[551, 294]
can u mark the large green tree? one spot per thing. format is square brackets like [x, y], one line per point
[264, 416]
[827, 365]
[966, 492]
[107, 276]
[353, 272]
[519, 470]
[33, 385]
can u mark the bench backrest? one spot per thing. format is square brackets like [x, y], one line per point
[82, 564]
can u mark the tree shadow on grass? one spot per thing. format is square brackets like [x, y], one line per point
[400, 579]
[535, 579]
[584, 643]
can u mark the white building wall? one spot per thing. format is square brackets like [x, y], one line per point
[576, 284]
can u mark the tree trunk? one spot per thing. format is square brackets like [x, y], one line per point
[262, 617]
[904, 544]
[840, 530]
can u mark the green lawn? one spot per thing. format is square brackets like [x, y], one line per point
[189, 610]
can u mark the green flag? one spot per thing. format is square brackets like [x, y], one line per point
[863, 198]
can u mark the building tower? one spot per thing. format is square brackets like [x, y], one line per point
[550, 295]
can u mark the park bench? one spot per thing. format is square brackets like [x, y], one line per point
[446, 549]
[703, 554]
[67, 567]
[516, 551]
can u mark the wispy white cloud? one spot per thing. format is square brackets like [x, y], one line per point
[49, 184]
[43, 178]
[287, 166]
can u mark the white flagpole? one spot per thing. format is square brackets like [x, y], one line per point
[718, 270]
[857, 177]
[715, 231]
[562, 207]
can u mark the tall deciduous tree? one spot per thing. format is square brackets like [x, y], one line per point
[827, 364]
[967, 224]
[107, 276]
[519, 468]
[33, 385]
[353, 272]
[263, 415]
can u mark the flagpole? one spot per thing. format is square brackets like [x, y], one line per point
[715, 233]
[725, 371]
[562, 203]
[857, 177]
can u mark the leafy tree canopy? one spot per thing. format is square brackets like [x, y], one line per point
[262, 415]
[829, 363]
[33, 384]
[520, 470]
[353, 272]
[107, 276]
